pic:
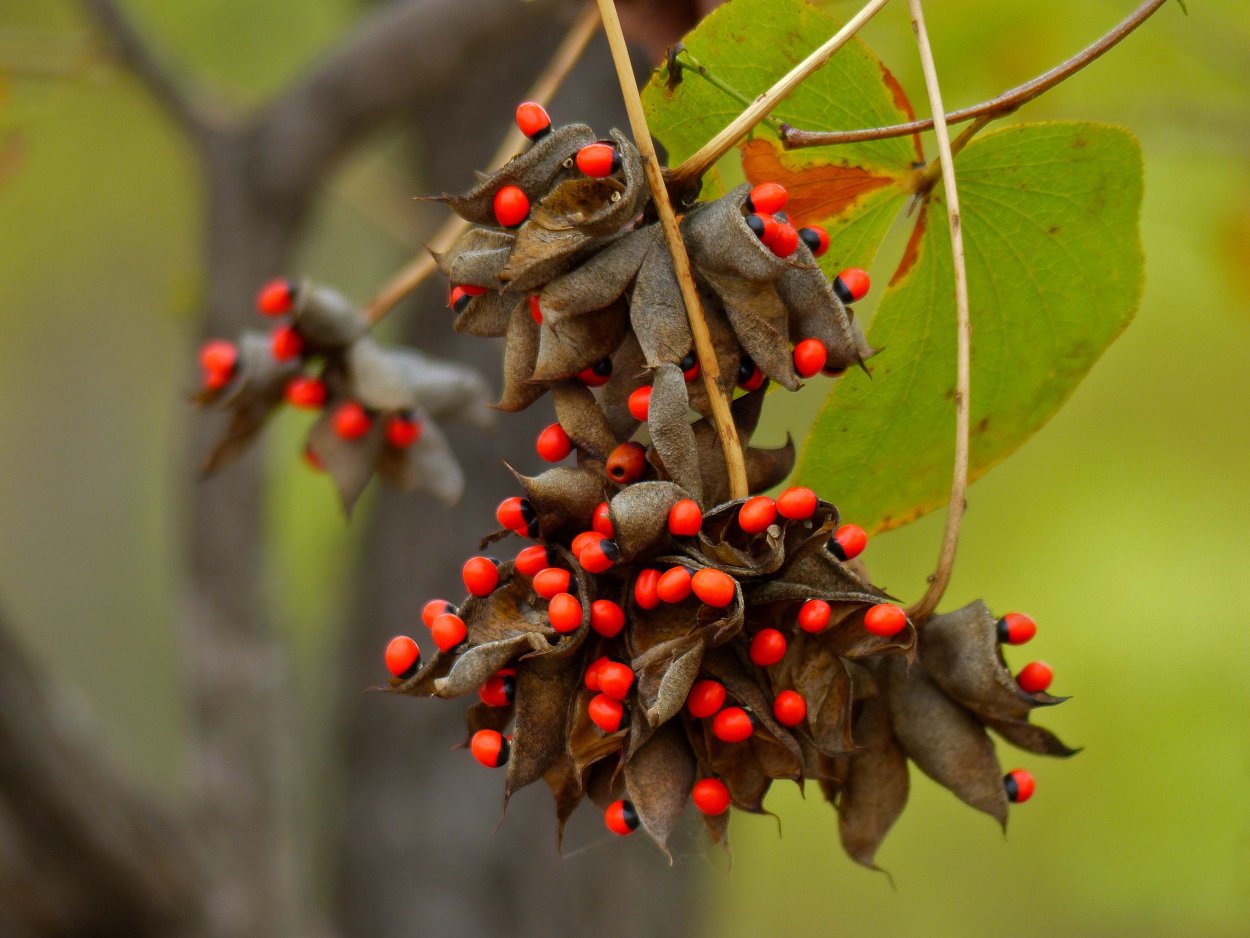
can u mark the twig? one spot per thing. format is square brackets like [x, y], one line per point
[698, 164]
[1007, 102]
[928, 179]
[722, 418]
[542, 91]
[682, 59]
[963, 380]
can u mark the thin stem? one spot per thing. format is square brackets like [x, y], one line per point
[1004, 104]
[684, 60]
[542, 91]
[928, 179]
[963, 380]
[722, 418]
[698, 164]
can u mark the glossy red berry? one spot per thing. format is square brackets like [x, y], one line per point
[647, 589]
[553, 443]
[309, 393]
[512, 206]
[402, 432]
[885, 620]
[218, 357]
[490, 748]
[627, 463]
[459, 299]
[435, 608]
[690, 366]
[851, 285]
[750, 377]
[714, 587]
[685, 518]
[809, 357]
[615, 679]
[480, 575]
[517, 515]
[789, 708]
[674, 585]
[640, 403]
[285, 344]
[710, 795]
[551, 581]
[816, 239]
[601, 520]
[756, 514]
[1019, 786]
[532, 559]
[767, 197]
[564, 613]
[449, 631]
[1035, 677]
[598, 160]
[705, 699]
[782, 240]
[591, 676]
[536, 309]
[1015, 628]
[580, 541]
[814, 616]
[848, 542]
[607, 618]
[499, 689]
[276, 297]
[402, 657]
[796, 504]
[532, 120]
[599, 556]
[733, 725]
[763, 227]
[768, 647]
[351, 421]
[621, 818]
[597, 374]
[606, 712]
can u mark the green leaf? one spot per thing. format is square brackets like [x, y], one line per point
[1050, 215]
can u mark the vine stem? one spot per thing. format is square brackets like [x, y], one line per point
[793, 138]
[699, 163]
[721, 416]
[963, 378]
[542, 91]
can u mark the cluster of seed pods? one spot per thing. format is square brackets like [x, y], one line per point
[660, 643]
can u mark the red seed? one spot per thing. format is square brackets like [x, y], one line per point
[592, 672]
[276, 297]
[218, 357]
[216, 380]
[615, 679]
[690, 366]
[499, 689]
[796, 504]
[401, 432]
[402, 657]
[685, 519]
[459, 299]
[532, 559]
[549, 582]
[480, 575]
[601, 520]
[564, 613]
[767, 197]
[580, 541]
[517, 515]
[1019, 785]
[605, 712]
[640, 403]
[710, 795]
[848, 542]
[1015, 628]
[789, 708]
[733, 725]
[674, 585]
[750, 377]
[783, 240]
[646, 589]
[851, 285]
[285, 344]
[714, 587]
[705, 699]
[553, 443]
[1035, 677]
[312, 460]
[306, 392]
[621, 818]
[536, 310]
[351, 420]
[512, 206]
[756, 514]
[599, 556]
[435, 608]
[607, 618]
[449, 631]
[816, 239]
[532, 120]
[598, 160]
[885, 620]
[489, 748]
[768, 647]
[809, 357]
[627, 463]
[597, 374]
[814, 616]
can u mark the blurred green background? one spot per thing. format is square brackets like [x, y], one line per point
[1122, 527]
